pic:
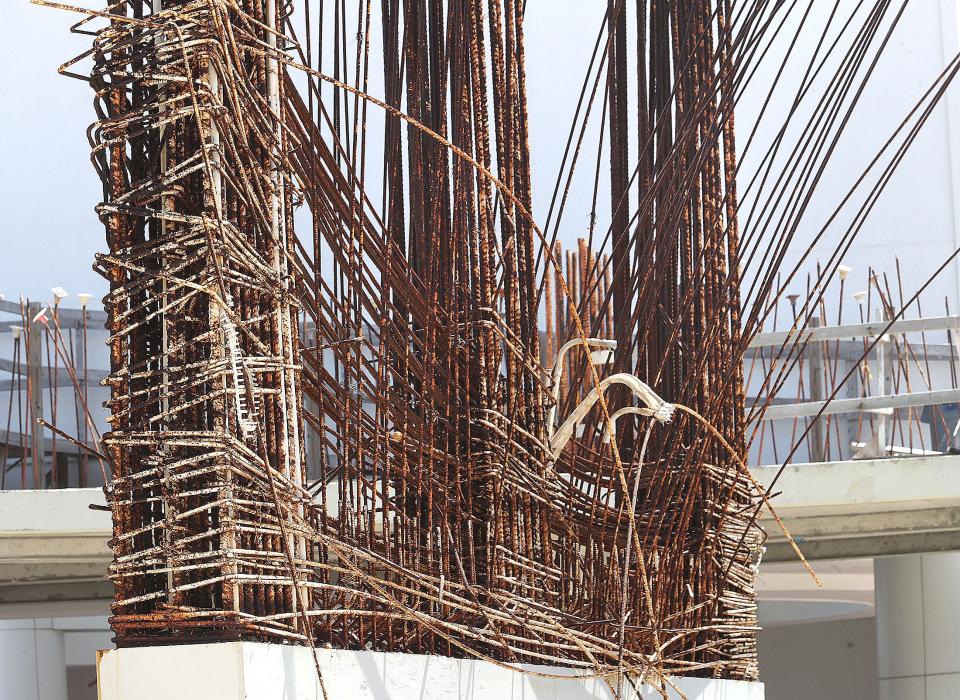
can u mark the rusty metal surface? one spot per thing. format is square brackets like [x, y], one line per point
[439, 518]
[346, 435]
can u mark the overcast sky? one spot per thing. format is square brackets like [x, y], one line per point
[48, 189]
[47, 186]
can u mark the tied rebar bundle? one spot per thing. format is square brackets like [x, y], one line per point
[399, 346]
[206, 441]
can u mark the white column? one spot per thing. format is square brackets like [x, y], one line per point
[918, 622]
[32, 661]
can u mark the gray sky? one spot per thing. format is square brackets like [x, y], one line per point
[47, 186]
[49, 189]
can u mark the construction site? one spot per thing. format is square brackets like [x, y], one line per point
[481, 349]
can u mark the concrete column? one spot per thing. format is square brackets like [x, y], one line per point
[254, 671]
[918, 615]
[32, 661]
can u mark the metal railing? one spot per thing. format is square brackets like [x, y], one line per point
[881, 380]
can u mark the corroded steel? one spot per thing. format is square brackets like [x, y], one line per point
[347, 436]
[209, 499]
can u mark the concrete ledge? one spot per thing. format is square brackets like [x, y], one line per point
[252, 671]
[53, 510]
[865, 508]
[53, 547]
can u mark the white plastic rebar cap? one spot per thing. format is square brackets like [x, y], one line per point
[59, 293]
[601, 357]
[41, 316]
[16, 330]
[85, 298]
[859, 297]
[843, 271]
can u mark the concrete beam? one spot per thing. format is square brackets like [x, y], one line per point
[865, 508]
[857, 330]
[886, 402]
[69, 318]
[853, 350]
[53, 547]
[62, 378]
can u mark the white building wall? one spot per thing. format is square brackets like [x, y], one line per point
[32, 665]
[826, 661]
[915, 218]
[50, 658]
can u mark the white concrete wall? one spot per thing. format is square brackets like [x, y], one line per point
[915, 218]
[51, 658]
[83, 637]
[250, 671]
[82, 682]
[32, 665]
[821, 661]
[918, 621]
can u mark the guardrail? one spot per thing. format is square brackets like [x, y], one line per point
[856, 330]
[894, 353]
